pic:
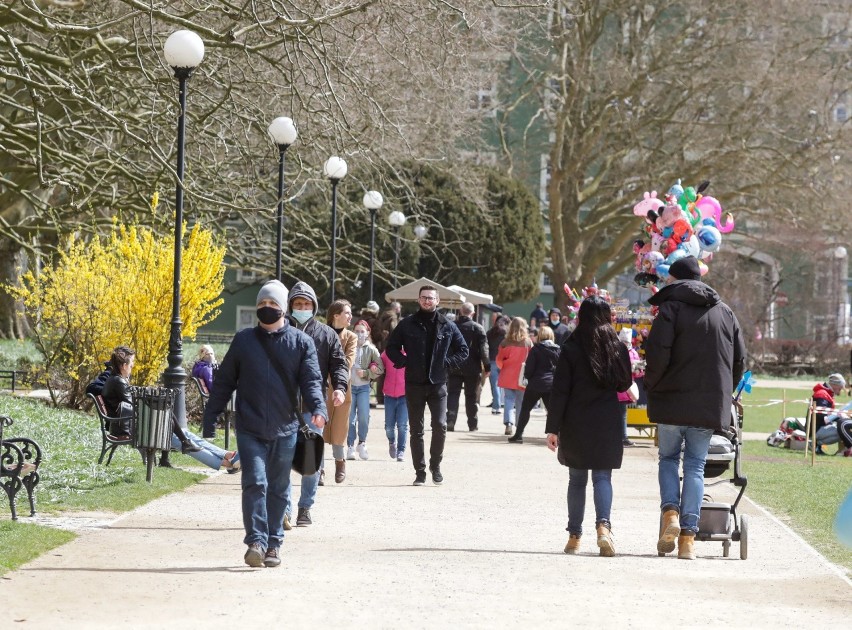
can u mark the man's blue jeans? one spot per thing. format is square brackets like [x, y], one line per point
[671, 439]
[396, 421]
[578, 478]
[310, 483]
[265, 479]
[512, 400]
[496, 392]
[210, 455]
[361, 411]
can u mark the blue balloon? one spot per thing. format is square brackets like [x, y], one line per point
[676, 190]
[663, 270]
[675, 256]
[709, 237]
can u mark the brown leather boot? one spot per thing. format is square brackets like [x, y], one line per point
[669, 531]
[605, 541]
[339, 470]
[686, 546]
[573, 545]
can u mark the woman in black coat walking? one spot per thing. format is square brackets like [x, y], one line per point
[538, 371]
[584, 419]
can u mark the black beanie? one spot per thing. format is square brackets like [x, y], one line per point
[685, 269]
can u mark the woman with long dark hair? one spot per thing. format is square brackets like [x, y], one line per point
[584, 418]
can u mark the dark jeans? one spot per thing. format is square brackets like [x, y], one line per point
[416, 398]
[380, 390]
[531, 397]
[472, 390]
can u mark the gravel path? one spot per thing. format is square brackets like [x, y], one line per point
[482, 551]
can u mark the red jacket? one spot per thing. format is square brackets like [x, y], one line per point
[823, 395]
[394, 385]
[510, 360]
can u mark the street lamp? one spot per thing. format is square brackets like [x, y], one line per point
[183, 51]
[397, 220]
[372, 201]
[334, 169]
[283, 133]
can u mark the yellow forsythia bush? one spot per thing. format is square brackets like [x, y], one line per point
[117, 290]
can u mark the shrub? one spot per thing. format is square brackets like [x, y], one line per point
[113, 291]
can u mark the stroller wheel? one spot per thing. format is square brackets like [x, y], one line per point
[726, 548]
[743, 537]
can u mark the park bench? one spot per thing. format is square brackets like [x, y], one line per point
[109, 442]
[19, 463]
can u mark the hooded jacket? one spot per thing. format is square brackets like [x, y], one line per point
[540, 364]
[695, 357]
[332, 360]
[448, 352]
[823, 397]
[477, 360]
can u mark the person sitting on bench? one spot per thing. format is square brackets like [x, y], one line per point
[119, 403]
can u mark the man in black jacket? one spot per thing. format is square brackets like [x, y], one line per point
[302, 308]
[469, 373]
[695, 358]
[432, 345]
[560, 330]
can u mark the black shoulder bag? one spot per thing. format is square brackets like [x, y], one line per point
[309, 443]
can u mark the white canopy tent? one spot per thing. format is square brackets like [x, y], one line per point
[450, 298]
[474, 297]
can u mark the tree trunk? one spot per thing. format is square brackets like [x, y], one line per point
[13, 262]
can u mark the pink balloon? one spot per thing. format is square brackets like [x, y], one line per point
[709, 208]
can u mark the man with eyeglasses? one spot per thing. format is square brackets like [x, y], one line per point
[433, 345]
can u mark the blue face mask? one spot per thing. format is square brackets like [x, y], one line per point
[302, 316]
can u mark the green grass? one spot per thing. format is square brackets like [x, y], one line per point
[806, 498]
[763, 410]
[71, 479]
[21, 542]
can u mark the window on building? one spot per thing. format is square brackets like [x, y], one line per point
[485, 99]
[246, 317]
[246, 276]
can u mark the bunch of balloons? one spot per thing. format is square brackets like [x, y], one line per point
[684, 223]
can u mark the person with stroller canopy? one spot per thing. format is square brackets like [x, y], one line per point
[695, 356]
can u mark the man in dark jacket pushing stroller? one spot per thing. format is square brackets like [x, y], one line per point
[695, 357]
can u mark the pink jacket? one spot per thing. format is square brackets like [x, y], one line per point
[634, 357]
[394, 379]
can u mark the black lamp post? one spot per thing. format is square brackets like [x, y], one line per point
[335, 169]
[397, 220]
[283, 133]
[372, 201]
[184, 51]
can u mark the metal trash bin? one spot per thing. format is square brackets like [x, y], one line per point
[152, 427]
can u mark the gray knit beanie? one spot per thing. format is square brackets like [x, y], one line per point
[275, 291]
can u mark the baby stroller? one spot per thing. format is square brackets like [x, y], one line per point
[719, 521]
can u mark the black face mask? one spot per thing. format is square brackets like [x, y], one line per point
[269, 314]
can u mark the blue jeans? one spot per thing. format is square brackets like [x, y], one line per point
[578, 478]
[496, 392]
[265, 479]
[512, 399]
[361, 411]
[310, 483]
[396, 421]
[210, 455]
[688, 502]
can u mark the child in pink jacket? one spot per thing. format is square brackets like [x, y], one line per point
[396, 411]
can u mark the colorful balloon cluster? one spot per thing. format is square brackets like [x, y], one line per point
[684, 223]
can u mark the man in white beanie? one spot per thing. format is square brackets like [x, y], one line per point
[266, 365]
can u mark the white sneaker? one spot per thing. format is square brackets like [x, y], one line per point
[350, 454]
[362, 451]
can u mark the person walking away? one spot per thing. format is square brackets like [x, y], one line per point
[584, 418]
[266, 365]
[469, 374]
[695, 356]
[368, 365]
[823, 396]
[625, 335]
[538, 370]
[303, 307]
[336, 432]
[396, 410]
[432, 344]
[510, 359]
[560, 330]
[495, 336]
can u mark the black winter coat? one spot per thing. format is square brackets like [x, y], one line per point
[332, 361]
[449, 351]
[695, 357]
[540, 364]
[477, 360]
[495, 337]
[560, 332]
[586, 415]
